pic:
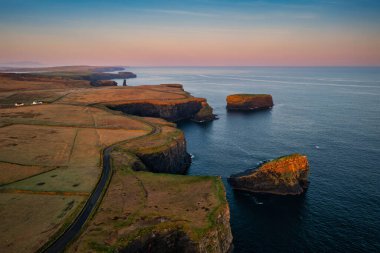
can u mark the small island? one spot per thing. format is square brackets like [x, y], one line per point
[249, 102]
[286, 175]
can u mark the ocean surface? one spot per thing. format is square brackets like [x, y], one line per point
[332, 115]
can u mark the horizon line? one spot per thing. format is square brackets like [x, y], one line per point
[190, 66]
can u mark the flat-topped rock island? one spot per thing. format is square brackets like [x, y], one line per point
[249, 102]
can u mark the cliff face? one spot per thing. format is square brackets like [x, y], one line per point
[171, 111]
[205, 113]
[161, 152]
[216, 238]
[249, 102]
[285, 175]
[170, 241]
[219, 237]
[173, 158]
[103, 83]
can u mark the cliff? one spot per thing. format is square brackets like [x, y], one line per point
[103, 83]
[205, 114]
[249, 102]
[166, 101]
[176, 111]
[162, 152]
[150, 212]
[286, 175]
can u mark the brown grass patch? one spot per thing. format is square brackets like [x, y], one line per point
[11, 172]
[27, 220]
[13, 82]
[137, 202]
[117, 95]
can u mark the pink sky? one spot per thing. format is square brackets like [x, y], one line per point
[156, 37]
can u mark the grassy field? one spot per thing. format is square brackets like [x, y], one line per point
[10, 82]
[120, 95]
[28, 220]
[139, 203]
[51, 154]
[51, 159]
[64, 69]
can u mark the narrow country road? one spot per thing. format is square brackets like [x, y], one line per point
[75, 228]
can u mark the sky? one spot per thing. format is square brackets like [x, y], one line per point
[190, 33]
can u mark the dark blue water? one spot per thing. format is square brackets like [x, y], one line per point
[330, 114]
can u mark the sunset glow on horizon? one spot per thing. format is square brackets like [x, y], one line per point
[191, 33]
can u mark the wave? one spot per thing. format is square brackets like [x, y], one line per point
[256, 201]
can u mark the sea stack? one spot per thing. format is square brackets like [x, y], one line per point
[286, 175]
[205, 114]
[249, 102]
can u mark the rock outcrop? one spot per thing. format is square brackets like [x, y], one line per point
[249, 102]
[286, 175]
[162, 152]
[170, 158]
[99, 83]
[205, 114]
[171, 111]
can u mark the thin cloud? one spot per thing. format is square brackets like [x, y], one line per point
[239, 16]
[277, 15]
[182, 12]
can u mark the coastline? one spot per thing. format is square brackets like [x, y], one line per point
[163, 150]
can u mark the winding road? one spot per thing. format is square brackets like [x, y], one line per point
[74, 229]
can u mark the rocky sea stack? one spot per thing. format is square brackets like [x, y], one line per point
[205, 114]
[286, 175]
[249, 102]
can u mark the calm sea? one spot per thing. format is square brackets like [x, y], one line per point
[330, 114]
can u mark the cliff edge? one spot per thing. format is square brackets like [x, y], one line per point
[166, 101]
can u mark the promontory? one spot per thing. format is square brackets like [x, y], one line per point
[104, 163]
